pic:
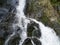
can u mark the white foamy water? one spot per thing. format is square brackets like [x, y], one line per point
[48, 35]
[22, 21]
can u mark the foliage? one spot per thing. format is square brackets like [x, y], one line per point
[55, 2]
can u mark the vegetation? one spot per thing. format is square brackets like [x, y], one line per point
[55, 2]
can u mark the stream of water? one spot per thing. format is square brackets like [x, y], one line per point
[48, 35]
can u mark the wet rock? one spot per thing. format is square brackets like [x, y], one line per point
[36, 33]
[31, 27]
[27, 42]
[14, 41]
[36, 41]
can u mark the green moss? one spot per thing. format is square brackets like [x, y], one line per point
[30, 8]
[58, 21]
[46, 21]
[29, 31]
[55, 2]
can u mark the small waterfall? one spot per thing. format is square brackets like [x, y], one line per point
[48, 36]
[22, 20]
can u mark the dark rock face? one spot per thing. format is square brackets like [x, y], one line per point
[2, 40]
[7, 18]
[36, 33]
[8, 5]
[7, 11]
[27, 42]
[36, 41]
[30, 28]
[14, 41]
[2, 2]
[33, 30]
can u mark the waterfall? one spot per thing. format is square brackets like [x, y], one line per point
[48, 36]
[22, 21]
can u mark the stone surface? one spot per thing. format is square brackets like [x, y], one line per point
[27, 42]
[36, 41]
[33, 30]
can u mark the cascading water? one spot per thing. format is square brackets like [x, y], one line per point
[48, 36]
[22, 21]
